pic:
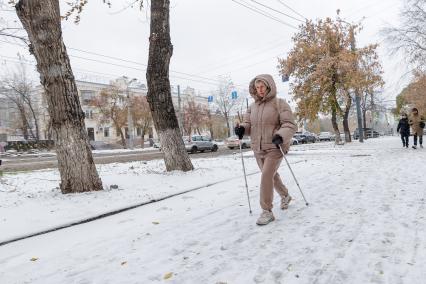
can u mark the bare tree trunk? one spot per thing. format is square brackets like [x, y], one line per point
[122, 138]
[42, 21]
[24, 120]
[159, 95]
[210, 124]
[335, 125]
[364, 121]
[228, 127]
[346, 119]
[143, 137]
[364, 111]
[37, 134]
[334, 108]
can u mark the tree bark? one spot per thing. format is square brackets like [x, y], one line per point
[25, 124]
[346, 119]
[143, 137]
[364, 121]
[37, 134]
[228, 127]
[42, 21]
[335, 125]
[159, 94]
[118, 127]
[210, 124]
[334, 108]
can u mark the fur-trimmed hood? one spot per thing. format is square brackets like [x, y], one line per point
[270, 84]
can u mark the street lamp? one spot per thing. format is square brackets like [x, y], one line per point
[129, 112]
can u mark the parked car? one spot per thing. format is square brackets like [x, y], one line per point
[325, 136]
[294, 141]
[232, 142]
[199, 143]
[310, 137]
[369, 133]
[157, 144]
[301, 138]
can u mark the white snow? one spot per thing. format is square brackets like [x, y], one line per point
[365, 223]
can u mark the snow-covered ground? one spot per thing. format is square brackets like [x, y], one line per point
[365, 223]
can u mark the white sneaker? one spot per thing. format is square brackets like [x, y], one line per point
[265, 218]
[285, 201]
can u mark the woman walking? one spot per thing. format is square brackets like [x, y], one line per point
[417, 123]
[269, 122]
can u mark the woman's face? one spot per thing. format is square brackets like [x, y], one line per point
[261, 89]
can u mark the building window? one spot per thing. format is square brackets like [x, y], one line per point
[87, 96]
[88, 113]
[138, 131]
[106, 131]
[117, 132]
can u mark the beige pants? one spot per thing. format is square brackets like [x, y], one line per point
[269, 161]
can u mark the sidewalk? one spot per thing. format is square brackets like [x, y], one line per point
[365, 224]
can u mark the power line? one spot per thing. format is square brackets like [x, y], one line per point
[201, 79]
[138, 63]
[254, 64]
[275, 10]
[109, 63]
[95, 73]
[269, 16]
[239, 59]
[292, 9]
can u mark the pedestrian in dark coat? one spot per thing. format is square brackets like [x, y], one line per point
[404, 129]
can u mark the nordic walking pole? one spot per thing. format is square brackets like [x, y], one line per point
[288, 164]
[245, 176]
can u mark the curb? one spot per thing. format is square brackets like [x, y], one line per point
[115, 212]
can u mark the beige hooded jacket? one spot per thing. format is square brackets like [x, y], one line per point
[415, 124]
[268, 116]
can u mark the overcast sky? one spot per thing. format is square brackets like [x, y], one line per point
[211, 38]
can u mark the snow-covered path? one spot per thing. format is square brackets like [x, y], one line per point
[366, 224]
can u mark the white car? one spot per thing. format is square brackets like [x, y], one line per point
[199, 143]
[325, 136]
[233, 142]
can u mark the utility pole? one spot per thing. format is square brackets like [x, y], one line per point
[357, 93]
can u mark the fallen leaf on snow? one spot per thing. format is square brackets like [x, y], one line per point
[124, 263]
[168, 275]
[155, 223]
[34, 258]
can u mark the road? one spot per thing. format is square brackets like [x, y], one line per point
[36, 162]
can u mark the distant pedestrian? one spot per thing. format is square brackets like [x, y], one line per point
[404, 129]
[269, 122]
[417, 123]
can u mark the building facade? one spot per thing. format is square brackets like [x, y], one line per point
[98, 128]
